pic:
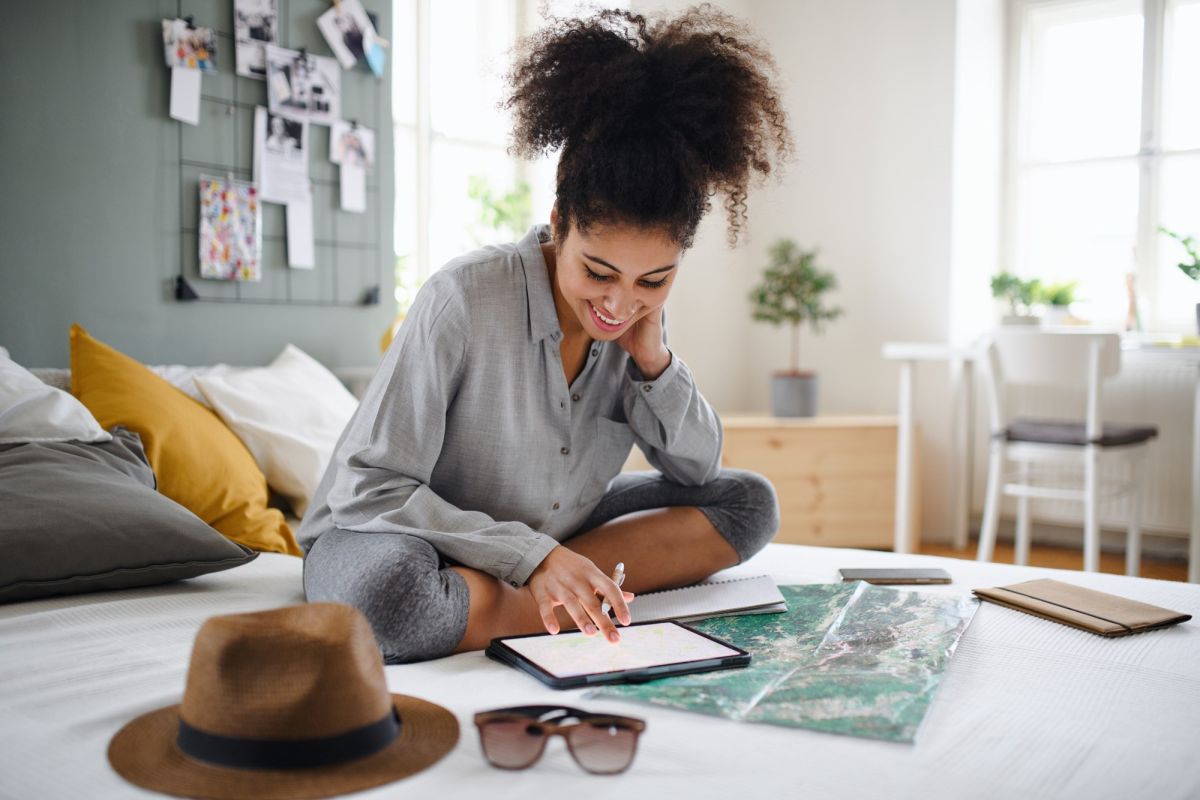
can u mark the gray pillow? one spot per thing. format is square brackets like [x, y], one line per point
[81, 517]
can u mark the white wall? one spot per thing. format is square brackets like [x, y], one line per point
[895, 107]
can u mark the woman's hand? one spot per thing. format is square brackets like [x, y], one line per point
[644, 343]
[567, 579]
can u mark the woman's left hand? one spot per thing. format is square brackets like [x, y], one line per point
[644, 343]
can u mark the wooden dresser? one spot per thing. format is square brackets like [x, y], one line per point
[835, 476]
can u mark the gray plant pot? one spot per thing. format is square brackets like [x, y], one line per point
[794, 394]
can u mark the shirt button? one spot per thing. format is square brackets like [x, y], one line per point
[565, 451]
[555, 506]
[595, 353]
[646, 387]
[575, 397]
[561, 404]
[514, 583]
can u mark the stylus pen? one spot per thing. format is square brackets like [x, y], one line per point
[618, 577]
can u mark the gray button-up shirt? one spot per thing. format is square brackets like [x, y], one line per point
[469, 437]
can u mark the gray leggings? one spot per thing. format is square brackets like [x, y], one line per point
[417, 606]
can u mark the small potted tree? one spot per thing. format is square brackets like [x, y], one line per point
[1020, 296]
[1057, 297]
[792, 293]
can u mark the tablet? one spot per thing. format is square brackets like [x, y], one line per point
[646, 652]
[886, 577]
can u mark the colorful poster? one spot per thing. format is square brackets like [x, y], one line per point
[185, 45]
[230, 230]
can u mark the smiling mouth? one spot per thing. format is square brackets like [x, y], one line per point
[605, 323]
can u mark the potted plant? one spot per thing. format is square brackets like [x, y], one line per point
[792, 293]
[1020, 296]
[1057, 298]
[1189, 268]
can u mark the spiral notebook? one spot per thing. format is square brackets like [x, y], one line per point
[721, 598]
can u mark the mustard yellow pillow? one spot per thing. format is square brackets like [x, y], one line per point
[199, 462]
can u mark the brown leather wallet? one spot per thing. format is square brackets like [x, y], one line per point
[1086, 609]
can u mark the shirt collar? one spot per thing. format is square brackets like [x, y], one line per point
[543, 316]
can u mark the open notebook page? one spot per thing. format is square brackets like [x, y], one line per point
[757, 594]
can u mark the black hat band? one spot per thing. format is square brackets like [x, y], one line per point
[244, 753]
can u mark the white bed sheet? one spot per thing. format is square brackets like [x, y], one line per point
[1027, 708]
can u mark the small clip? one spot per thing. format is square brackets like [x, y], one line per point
[190, 21]
[353, 124]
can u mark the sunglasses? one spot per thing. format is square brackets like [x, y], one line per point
[514, 738]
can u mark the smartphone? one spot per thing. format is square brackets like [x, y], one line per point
[896, 576]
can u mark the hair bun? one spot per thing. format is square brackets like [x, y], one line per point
[616, 87]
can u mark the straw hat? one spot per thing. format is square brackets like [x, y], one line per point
[289, 703]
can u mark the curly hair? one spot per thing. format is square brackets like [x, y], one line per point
[653, 117]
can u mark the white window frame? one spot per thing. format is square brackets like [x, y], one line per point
[425, 135]
[1150, 155]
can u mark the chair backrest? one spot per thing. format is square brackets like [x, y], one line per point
[1064, 359]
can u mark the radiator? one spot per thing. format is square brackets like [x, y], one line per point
[1151, 388]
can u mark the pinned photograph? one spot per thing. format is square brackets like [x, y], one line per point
[185, 45]
[255, 25]
[285, 137]
[230, 230]
[348, 30]
[280, 157]
[303, 86]
[350, 143]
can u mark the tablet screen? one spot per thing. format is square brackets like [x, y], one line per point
[570, 654]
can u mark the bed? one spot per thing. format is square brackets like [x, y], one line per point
[1027, 708]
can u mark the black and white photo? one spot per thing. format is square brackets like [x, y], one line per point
[303, 86]
[285, 137]
[256, 24]
[280, 157]
[348, 30]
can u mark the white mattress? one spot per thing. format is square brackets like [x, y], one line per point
[1027, 709]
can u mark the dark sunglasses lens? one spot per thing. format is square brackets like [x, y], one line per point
[603, 747]
[511, 744]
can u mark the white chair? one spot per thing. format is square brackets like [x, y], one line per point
[1018, 358]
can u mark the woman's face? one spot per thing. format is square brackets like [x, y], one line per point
[612, 276]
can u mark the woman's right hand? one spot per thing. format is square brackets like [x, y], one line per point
[567, 579]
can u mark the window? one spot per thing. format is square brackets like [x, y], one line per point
[1107, 149]
[451, 139]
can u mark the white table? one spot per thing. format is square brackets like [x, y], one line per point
[909, 354]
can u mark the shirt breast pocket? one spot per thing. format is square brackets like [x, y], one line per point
[609, 452]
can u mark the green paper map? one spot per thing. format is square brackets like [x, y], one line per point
[855, 659]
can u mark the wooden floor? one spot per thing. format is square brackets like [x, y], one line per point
[1066, 558]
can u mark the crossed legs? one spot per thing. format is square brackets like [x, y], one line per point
[666, 534]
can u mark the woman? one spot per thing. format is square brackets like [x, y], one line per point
[476, 492]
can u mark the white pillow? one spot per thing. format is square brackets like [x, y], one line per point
[31, 411]
[184, 378]
[289, 415]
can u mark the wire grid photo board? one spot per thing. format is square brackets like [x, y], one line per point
[350, 256]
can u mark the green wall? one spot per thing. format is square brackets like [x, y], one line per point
[90, 217]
